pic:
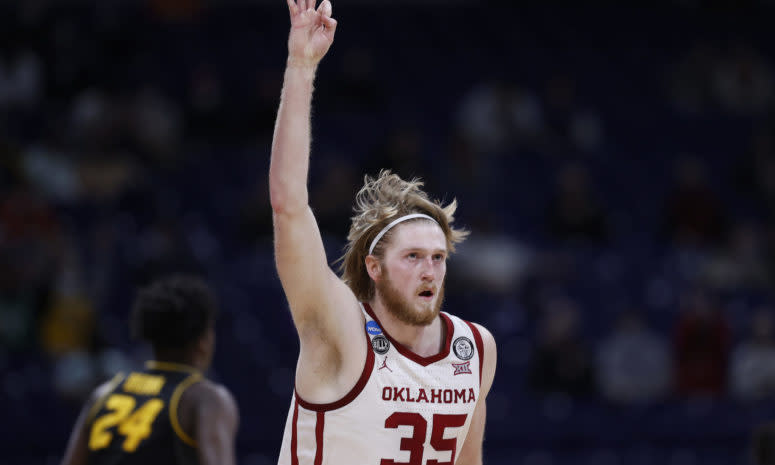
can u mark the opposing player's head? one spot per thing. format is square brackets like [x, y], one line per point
[397, 248]
[176, 314]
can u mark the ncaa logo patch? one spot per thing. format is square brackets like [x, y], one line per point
[463, 348]
[373, 328]
[380, 344]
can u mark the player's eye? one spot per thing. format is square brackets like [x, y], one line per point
[438, 257]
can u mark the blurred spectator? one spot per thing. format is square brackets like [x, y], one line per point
[752, 370]
[490, 260]
[21, 80]
[68, 324]
[52, 173]
[19, 306]
[742, 264]
[573, 214]
[693, 213]
[104, 179]
[633, 363]
[701, 342]
[561, 362]
[155, 125]
[497, 114]
[29, 231]
[571, 126]
[743, 80]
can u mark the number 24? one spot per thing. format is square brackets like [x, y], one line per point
[136, 428]
[414, 444]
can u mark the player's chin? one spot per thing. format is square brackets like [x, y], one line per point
[426, 314]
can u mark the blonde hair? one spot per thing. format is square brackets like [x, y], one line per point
[380, 201]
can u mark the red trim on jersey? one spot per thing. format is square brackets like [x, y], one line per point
[479, 347]
[294, 441]
[350, 396]
[319, 437]
[424, 361]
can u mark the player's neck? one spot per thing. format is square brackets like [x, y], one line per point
[424, 341]
[178, 358]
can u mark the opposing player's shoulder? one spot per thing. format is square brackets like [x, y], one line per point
[103, 390]
[209, 394]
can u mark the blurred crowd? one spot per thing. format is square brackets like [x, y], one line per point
[623, 245]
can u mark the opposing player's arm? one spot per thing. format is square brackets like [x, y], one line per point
[471, 452]
[78, 445]
[317, 297]
[216, 419]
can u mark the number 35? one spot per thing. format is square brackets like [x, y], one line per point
[414, 444]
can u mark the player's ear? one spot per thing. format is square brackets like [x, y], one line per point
[206, 340]
[373, 267]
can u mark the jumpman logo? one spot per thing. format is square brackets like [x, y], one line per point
[384, 365]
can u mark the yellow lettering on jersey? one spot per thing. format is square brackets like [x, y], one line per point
[135, 425]
[138, 426]
[119, 406]
[144, 384]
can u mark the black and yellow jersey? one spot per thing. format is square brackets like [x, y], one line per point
[136, 421]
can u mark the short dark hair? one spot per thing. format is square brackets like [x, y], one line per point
[173, 312]
[764, 444]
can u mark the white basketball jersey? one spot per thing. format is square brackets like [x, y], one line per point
[404, 409]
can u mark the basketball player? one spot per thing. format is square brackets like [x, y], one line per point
[167, 413]
[383, 377]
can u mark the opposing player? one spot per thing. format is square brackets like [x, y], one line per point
[383, 377]
[167, 413]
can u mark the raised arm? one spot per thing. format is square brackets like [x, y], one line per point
[323, 308]
[312, 32]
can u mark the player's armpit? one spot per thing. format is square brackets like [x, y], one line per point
[490, 360]
[216, 423]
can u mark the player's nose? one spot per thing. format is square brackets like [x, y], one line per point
[427, 269]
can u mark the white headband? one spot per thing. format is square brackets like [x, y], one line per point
[395, 222]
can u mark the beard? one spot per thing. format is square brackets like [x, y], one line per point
[401, 309]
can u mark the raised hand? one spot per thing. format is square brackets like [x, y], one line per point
[312, 32]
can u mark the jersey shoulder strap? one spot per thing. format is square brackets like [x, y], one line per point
[462, 346]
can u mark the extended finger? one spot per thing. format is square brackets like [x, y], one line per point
[292, 7]
[325, 8]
